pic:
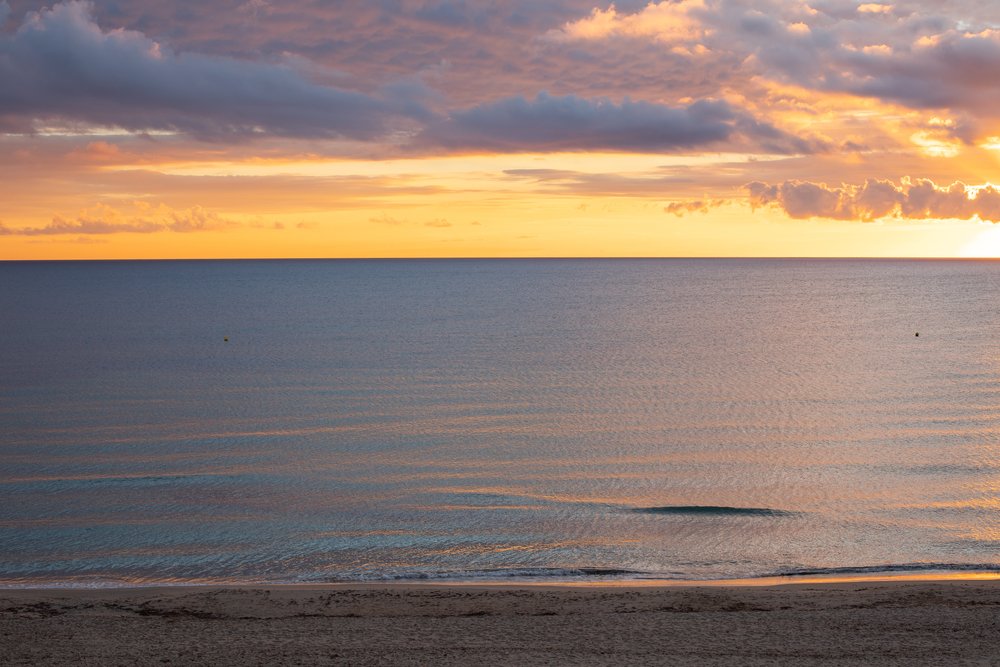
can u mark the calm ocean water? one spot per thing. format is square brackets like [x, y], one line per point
[689, 419]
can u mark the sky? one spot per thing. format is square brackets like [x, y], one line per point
[512, 128]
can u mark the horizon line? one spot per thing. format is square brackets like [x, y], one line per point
[509, 258]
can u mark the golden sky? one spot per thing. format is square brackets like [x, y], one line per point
[451, 128]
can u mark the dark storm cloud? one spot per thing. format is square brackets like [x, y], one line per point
[61, 68]
[470, 51]
[569, 123]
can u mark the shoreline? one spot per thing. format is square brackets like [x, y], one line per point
[902, 621]
[522, 582]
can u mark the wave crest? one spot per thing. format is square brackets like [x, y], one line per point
[714, 510]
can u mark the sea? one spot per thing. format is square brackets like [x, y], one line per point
[312, 421]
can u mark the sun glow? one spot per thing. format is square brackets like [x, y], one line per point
[984, 244]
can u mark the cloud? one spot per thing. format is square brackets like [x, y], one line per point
[385, 72]
[61, 68]
[385, 219]
[929, 58]
[875, 8]
[682, 208]
[97, 151]
[570, 123]
[923, 55]
[254, 8]
[560, 181]
[445, 13]
[545, 175]
[801, 200]
[667, 21]
[144, 219]
[918, 199]
[954, 69]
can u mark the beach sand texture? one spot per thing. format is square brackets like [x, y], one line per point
[905, 623]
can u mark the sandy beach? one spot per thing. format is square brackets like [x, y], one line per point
[859, 622]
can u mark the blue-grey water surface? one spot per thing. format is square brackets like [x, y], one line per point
[689, 419]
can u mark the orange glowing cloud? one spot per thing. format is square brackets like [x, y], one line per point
[913, 199]
[667, 21]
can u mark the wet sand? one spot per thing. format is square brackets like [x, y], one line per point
[859, 622]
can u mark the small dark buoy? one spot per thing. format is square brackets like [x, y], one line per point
[916, 334]
[227, 338]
